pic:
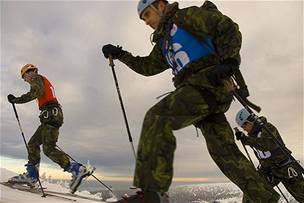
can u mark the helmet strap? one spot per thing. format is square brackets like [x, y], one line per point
[156, 10]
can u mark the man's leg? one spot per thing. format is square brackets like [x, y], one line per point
[154, 165]
[49, 139]
[224, 151]
[32, 167]
[51, 121]
[34, 147]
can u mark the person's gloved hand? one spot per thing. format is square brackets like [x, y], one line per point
[240, 135]
[115, 51]
[11, 98]
[220, 72]
[243, 92]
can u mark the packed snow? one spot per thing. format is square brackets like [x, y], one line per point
[9, 195]
[202, 193]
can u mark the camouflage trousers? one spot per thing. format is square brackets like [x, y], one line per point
[47, 136]
[295, 186]
[290, 176]
[183, 107]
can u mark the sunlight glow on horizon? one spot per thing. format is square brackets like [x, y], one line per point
[17, 166]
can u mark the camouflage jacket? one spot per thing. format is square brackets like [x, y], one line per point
[42, 90]
[268, 152]
[201, 22]
[36, 90]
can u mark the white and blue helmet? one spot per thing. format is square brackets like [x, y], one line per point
[242, 116]
[142, 5]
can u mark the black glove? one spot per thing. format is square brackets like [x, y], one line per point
[240, 135]
[11, 98]
[220, 72]
[243, 92]
[115, 51]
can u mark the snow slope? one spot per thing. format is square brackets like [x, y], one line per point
[9, 195]
[203, 193]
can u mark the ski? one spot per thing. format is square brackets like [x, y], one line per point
[75, 195]
[33, 190]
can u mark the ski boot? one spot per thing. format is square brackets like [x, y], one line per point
[79, 172]
[145, 197]
[30, 177]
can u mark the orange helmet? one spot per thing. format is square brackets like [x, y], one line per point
[27, 67]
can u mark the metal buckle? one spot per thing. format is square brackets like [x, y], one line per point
[44, 114]
[291, 172]
[55, 111]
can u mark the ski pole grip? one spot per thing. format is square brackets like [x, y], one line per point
[111, 60]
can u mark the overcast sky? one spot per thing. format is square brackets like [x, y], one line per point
[64, 39]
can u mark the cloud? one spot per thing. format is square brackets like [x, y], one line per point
[64, 40]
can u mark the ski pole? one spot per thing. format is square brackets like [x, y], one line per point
[248, 155]
[237, 130]
[17, 117]
[91, 174]
[111, 63]
[260, 123]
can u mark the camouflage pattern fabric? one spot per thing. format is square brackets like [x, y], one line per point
[154, 165]
[183, 107]
[47, 136]
[47, 133]
[202, 22]
[224, 151]
[36, 90]
[277, 167]
[187, 105]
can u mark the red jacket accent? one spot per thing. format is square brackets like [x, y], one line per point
[48, 93]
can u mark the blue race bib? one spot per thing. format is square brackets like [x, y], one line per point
[183, 48]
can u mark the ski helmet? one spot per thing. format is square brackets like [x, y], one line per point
[142, 5]
[242, 116]
[28, 67]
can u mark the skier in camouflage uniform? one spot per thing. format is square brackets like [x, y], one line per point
[51, 118]
[201, 46]
[275, 165]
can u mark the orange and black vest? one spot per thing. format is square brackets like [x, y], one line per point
[48, 95]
